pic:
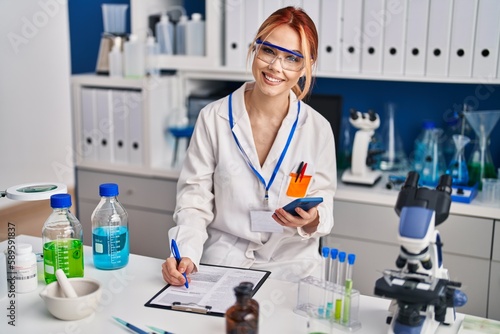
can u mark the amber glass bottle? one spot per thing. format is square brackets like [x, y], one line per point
[243, 316]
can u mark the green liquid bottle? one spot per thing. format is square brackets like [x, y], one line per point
[62, 236]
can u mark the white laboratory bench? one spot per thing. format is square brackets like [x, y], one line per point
[365, 224]
[125, 292]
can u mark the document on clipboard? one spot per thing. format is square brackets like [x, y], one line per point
[210, 291]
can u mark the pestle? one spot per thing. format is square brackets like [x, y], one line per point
[65, 285]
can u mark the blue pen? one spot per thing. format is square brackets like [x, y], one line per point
[177, 255]
[132, 327]
[159, 331]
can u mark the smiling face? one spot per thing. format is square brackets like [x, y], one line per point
[271, 79]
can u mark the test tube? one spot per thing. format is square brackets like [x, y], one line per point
[332, 278]
[325, 251]
[333, 265]
[341, 268]
[340, 282]
[351, 258]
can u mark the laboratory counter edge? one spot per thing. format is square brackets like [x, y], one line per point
[125, 291]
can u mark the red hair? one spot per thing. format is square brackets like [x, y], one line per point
[299, 21]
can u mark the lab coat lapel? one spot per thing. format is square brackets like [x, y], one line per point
[242, 128]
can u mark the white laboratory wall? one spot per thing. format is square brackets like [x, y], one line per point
[35, 107]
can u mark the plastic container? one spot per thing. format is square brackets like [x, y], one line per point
[133, 58]
[25, 270]
[62, 240]
[165, 35]
[152, 52]
[195, 36]
[180, 35]
[114, 18]
[115, 59]
[243, 316]
[110, 235]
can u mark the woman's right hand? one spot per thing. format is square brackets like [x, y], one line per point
[172, 273]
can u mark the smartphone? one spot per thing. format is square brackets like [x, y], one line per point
[304, 203]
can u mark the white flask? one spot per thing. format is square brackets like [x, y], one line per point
[152, 51]
[165, 35]
[115, 59]
[133, 52]
[195, 36]
[180, 35]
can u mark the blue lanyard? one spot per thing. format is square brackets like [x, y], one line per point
[247, 159]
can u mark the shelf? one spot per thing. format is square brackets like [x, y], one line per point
[224, 73]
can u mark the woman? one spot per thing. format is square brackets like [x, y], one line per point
[253, 152]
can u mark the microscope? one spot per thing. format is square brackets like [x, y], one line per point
[360, 172]
[423, 295]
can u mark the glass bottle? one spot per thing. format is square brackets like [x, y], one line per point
[110, 237]
[242, 317]
[62, 237]
[253, 302]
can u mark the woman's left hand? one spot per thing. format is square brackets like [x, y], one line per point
[308, 220]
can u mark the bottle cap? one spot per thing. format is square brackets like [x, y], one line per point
[333, 253]
[196, 17]
[163, 18]
[247, 284]
[342, 257]
[24, 248]
[117, 43]
[428, 124]
[325, 251]
[133, 38]
[183, 18]
[150, 41]
[108, 189]
[60, 201]
[242, 290]
[351, 258]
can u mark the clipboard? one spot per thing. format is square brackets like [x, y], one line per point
[210, 291]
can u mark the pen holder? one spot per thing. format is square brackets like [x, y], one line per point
[336, 304]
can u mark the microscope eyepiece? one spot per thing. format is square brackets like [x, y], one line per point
[353, 113]
[444, 183]
[371, 115]
[411, 180]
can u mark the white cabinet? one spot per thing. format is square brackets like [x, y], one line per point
[494, 297]
[120, 123]
[149, 201]
[370, 231]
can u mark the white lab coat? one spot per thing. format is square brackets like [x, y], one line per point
[217, 190]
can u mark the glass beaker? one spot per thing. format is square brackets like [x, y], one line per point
[458, 166]
[480, 162]
[433, 165]
[393, 157]
[114, 18]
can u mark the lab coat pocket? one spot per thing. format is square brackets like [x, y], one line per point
[297, 186]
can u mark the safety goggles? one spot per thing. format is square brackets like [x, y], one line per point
[268, 53]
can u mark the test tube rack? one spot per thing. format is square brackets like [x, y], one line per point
[332, 302]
